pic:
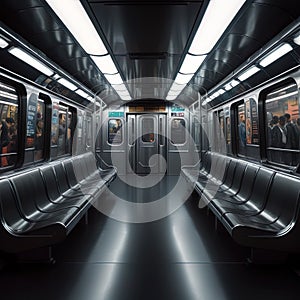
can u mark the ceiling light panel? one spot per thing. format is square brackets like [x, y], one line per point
[251, 71]
[30, 60]
[216, 19]
[231, 85]
[75, 18]
[183, 78]
[276, 54]
[171, 97]
[82, 93]
[105, 64]
[67, 84]
[177, 87]
[3, 43]
[119, 87]
[125, 97]
[114, 79]
[297, 39]
[123, 93]
[90, 98]
[191, 63]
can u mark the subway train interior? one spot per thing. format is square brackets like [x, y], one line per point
[149, 149]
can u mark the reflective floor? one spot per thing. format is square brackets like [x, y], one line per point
[180, 256]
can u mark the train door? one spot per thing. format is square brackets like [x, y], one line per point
[146, 141]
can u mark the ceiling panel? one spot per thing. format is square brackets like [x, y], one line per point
[256, 24]
[149, 38]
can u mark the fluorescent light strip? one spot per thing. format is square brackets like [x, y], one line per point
[82, 93]
[228, 87]
[119, 87]
[8, 95]
[207, 100]
[248, 73]
[123, 93]
[204, 102]
[216, 94]
[30, 60]
[55, 76]
[75, 18]
[4, 86]
[114, 79]
[221, 91]
[177, 87]
[67, 84]
[282, 96]
[183, 78]
[283, 89]
[231, 85]
[191, 63]
[171, 97]
[3, 43]
[216, 19]
[174, 93]
[105, 64]
[276, 54]
[125, 98]
[297, 40]
[234, 83]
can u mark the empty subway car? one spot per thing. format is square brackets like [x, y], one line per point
[149, 149]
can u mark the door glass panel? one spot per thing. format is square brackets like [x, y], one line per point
[131, 132]
[147, 130]
[115, 136]
[161, 132]
[39, 131]
[241, 129]
[178, 131]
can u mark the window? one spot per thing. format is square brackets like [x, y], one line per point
[54, 123]
[241, 129]
[228, 131]
[283, 125]
[62, 128]
[148, 130]
[8, 125]
[251, 115]
[247, 131]
[89, 131]
[131, 130]
[115, 134]
[39, 139]
[161, 129]
[178, 131]
[70, 129]
[218, 141]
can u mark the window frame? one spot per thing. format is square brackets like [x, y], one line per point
[185, 136]
[108, 133]
[21, 119]
[262, 100]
